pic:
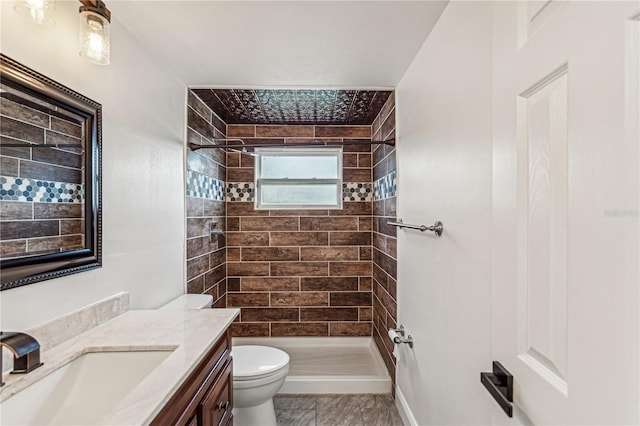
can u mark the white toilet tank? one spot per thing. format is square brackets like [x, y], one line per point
[190, 301]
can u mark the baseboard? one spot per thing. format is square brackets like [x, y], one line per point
[404, 410]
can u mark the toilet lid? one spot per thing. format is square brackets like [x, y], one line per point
[252, 361]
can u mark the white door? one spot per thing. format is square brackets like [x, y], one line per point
[565, 209]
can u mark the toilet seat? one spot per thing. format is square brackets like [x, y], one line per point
[254, 362]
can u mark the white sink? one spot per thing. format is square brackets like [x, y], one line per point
[82, 391]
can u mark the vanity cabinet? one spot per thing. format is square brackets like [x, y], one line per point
[206, 396]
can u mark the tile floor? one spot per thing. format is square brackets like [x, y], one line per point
[336, 410]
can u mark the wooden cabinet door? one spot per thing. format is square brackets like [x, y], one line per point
[217, 403]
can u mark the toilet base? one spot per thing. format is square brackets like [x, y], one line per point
[259, 415]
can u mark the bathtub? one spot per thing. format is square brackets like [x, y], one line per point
[321, 365]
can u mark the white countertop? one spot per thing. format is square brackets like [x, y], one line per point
[190, 334]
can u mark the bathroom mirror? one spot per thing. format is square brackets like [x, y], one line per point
[50, 188]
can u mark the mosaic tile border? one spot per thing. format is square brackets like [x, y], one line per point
[357, 191]
[351, 191]
[385, 187]
[203, 186]
[241, 191]
[40, 191]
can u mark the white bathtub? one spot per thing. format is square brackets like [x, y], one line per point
[329, 364]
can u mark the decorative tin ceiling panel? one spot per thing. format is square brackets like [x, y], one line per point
[294, 106]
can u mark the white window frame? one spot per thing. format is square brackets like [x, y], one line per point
[297, 152]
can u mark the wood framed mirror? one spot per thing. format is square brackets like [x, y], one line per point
[50, 178]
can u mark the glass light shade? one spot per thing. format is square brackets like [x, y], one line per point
[95, 41]
[39, 11]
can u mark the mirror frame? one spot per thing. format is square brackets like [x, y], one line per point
[28, 270]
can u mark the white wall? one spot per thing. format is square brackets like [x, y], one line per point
[143, 197]
[444, 172]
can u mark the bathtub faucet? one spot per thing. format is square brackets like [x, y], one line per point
[25, 349]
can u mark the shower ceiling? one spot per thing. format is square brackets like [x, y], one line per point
[295, 106]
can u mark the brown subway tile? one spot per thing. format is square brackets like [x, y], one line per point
[194, 102]
[350, 269]
[270, 284]
[233, 224]
[197, 227]
[57, 210]
[284, 131]
[240, 174]
[299, 268]
[10, 151]
[365, 283]
[365, 224]
[392, 288]
[247, 239]
[328, 314]
[343, 131]
[285, 329]
[269, 314]
[246, 329]
[195, 207]
[350, 238]
[356, 175]
[236, 300]
[199, 163]
[196, 285]
[233, 254]
[72, 226]
[240, 208]
[329, 223]
[217, 258]
[30, 169]
[197, 247]
[390, 207]
[64, 242]
[233, 159]
[23, 113]
[58, 138]
[271, 253]
[14, 210]
[197, 266]
[364, 160]
[365, 253]
[365, 314]
[387, 301]
[247, 269]
[199, 124]
[379, 275]
[240, 130]
[352, 208]
[58, 158]
[388, 264]
[350, 160]
[380, 169]
[379, 241]
[392, 247]
[380, 225]
[299, 238]
[233, 284]
[215, 276]
[269, 223]
[329, 253]
[221, 302]
[350, 298]
[388, 126]
[378, 208]
[299, 299]
[356, 148]
[247, 160]
[350, 329]
[298, 212]
[329, 284]
[30, 229]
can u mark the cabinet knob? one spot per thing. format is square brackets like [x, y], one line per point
[223, 406]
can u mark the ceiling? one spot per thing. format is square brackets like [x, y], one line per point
[294, 106]
[302, 44]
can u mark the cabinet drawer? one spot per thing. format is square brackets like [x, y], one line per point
[218, 401]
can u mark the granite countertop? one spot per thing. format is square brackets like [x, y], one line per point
[189, 334]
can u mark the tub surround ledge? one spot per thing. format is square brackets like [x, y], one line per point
[189, 335]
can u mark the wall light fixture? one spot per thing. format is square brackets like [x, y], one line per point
[95, 41]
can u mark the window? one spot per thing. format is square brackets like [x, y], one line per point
[308, 178]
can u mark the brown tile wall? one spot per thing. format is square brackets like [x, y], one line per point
[30, 227]
[206, 253]
[300, 272]
[384, 238]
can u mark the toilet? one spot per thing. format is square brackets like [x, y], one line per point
[258, 372]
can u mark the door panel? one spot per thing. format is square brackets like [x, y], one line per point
[565, 210]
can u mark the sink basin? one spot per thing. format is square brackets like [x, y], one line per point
[82, 391]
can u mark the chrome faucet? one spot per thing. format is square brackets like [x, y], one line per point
[25, 349]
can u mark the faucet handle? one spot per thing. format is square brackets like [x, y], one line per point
[25, 349]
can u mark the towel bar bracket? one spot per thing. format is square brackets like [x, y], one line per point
[437, 227]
